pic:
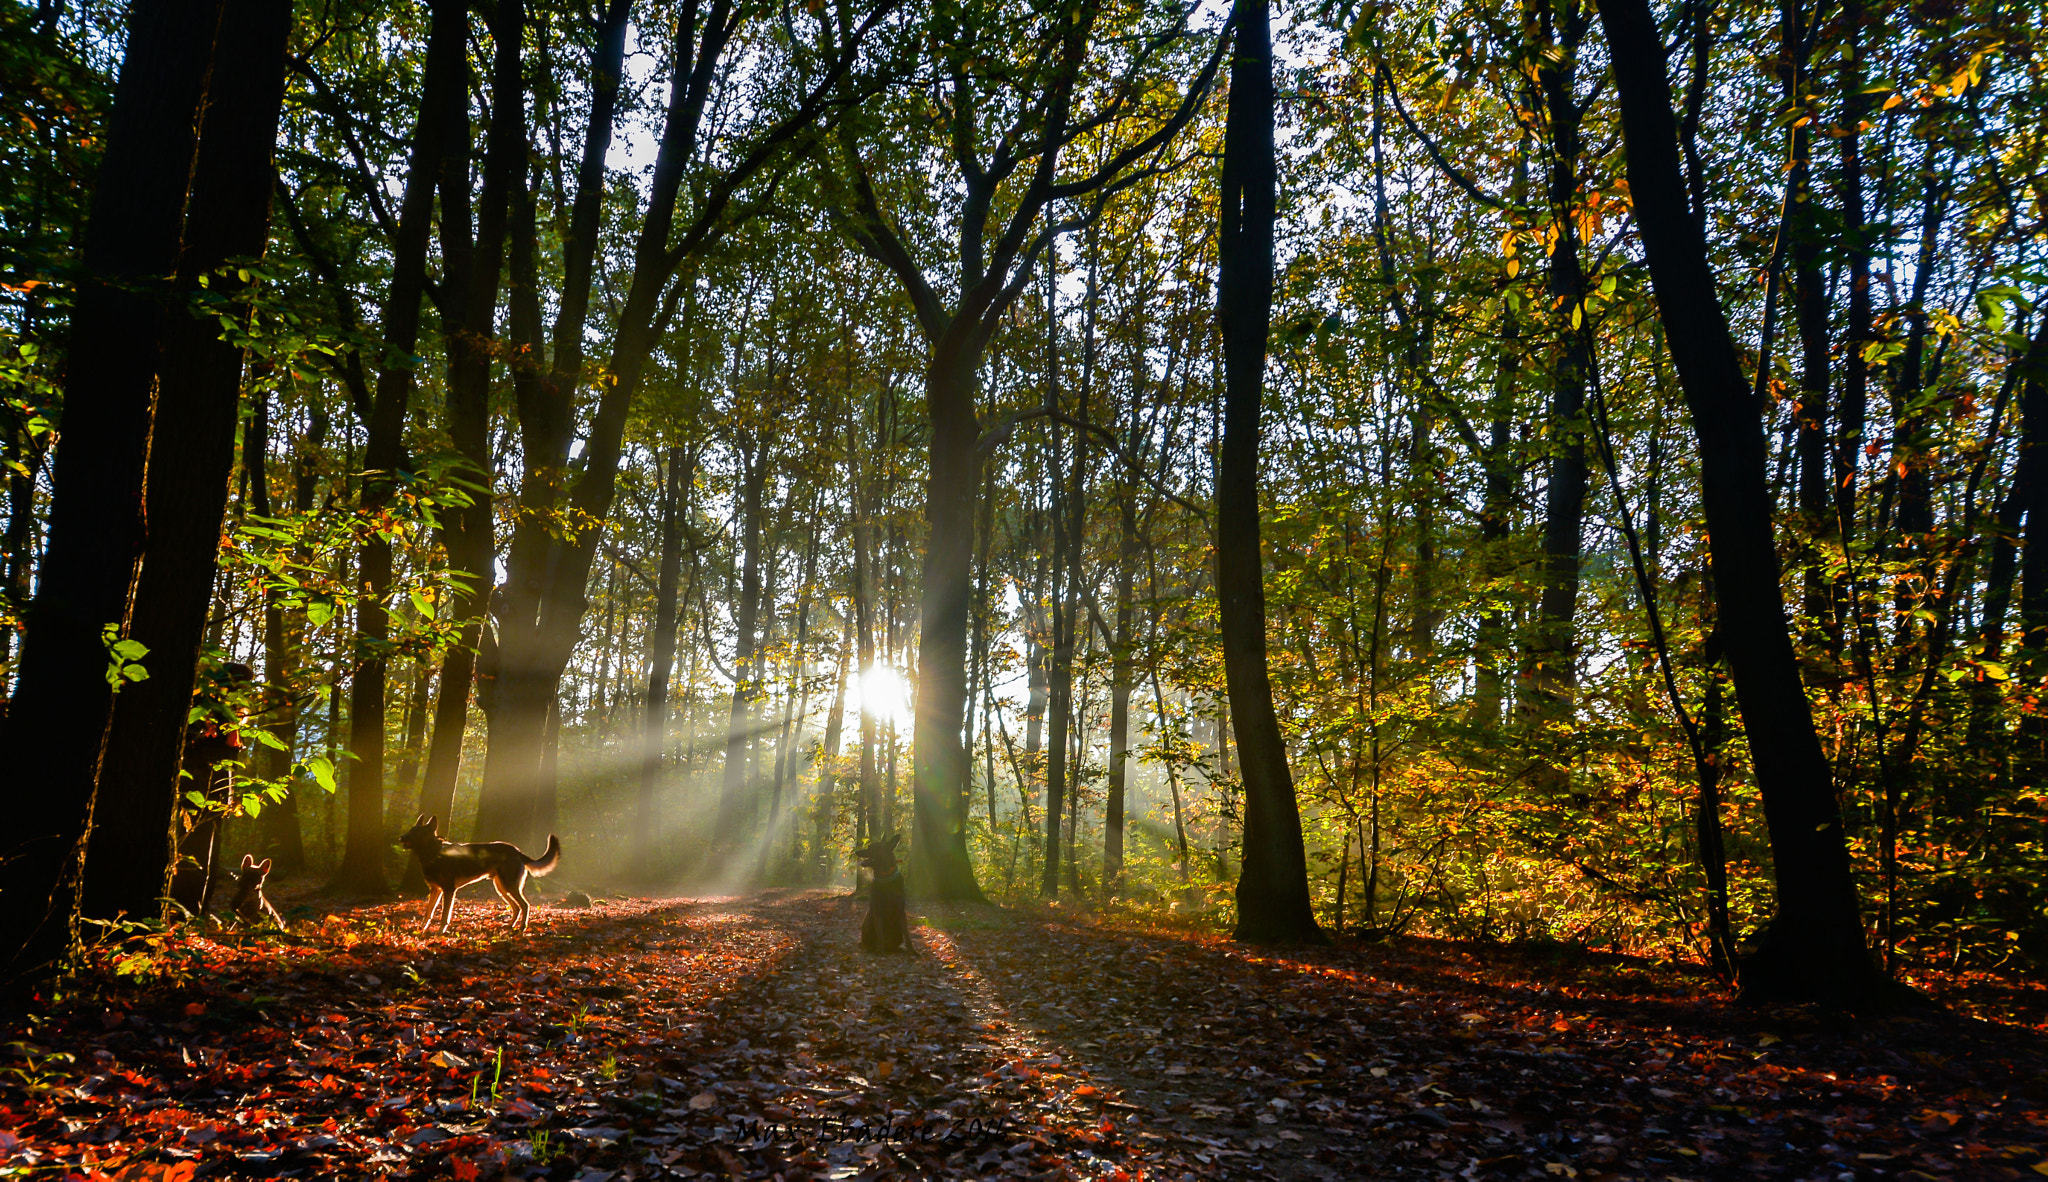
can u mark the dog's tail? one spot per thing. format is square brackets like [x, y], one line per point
[541, 866]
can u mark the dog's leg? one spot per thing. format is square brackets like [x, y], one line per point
[519, 896]
[511, 902]
[433, 905]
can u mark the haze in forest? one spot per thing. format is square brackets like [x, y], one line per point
[1331, 470]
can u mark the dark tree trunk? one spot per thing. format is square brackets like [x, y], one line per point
[442, 102]
[1121, 674]
[661, 657]
[795, 703]
[1815, 948]
[518, 689]
[739, 728]
[1495, 517]
[62, 701]
[472, 272]
[191, 456]
[864, 638]
[2031, 499]
[827, 803]
[1272, 887]
[1850, 413]
[939, 866]
[2026, 499]
[1069, 520]
[282, 823]
[417, 708]
[1564, 508]
[548, 572]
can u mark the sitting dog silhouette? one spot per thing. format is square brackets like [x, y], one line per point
[885, 929]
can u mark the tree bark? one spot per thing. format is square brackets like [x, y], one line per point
[442, 100]
[1272, 887]
[191, 457]
[1810, 317]
[1121, 677]
[1564, 509]
[739, 728]
[519, 694]
[1814, 949]
[1851, 410]
[661, 656]
[57, 718]
[473, 276]
[2026, 500]
[283, 832]
[939, 866]
[827, 803]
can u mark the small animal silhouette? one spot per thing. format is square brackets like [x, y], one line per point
[249, 904]
[885, 929]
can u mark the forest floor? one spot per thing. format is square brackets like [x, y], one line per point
[751, 1038]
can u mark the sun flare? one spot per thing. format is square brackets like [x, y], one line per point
[884, 694]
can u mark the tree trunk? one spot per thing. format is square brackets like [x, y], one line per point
[864, 638]
[417, 708]
[1272, 887]
[732, 793]
[795, 703]
[1810, 315]
[1495, 517]
[661, 656]
[1814, 949]
[282, 826]
[517, 689]
[442, 100]
[473, 276]
[939, 866]
[1121, 674]
[1849, 419]
[2026, 499]
[191, 456]
[57, 718]
[1564, 507]
[827, 804]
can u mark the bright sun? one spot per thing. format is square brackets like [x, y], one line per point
[883, 694]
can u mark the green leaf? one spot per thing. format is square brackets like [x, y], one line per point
[322, 769]
[318, 612]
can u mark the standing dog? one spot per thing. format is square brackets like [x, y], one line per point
[249, 904]
[448, 866]
[885, 929]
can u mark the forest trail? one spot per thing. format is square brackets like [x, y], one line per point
[751, 1038]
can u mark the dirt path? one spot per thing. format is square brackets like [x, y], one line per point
[752, 1038]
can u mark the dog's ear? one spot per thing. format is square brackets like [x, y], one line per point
[248, 860]
[263, 867]
[420, 820]
[434, 823]
[893, 839]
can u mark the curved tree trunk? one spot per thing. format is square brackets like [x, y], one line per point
[1272, 886]
[1814, 949]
